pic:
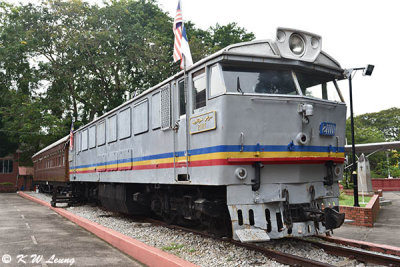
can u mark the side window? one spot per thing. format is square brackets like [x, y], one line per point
[92, 136]
[101, 133]
[217, 86]
[85, 139]
[1, 166]
[112, 129]
[124, 123]
[182, 102]
[141, 117]
[199, 89]
[156, 111]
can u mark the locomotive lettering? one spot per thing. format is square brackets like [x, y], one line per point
[327, 128]
[203, 122]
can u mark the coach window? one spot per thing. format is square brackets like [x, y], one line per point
[101, 133]
[85, 139]
[199, 89]
[156, 111]
[182, 102]
[112, 129]
[92, 136]
[124, 123]
[217, 86]
[6, 166]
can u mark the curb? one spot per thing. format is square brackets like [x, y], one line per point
[387, 249]
[145, 254]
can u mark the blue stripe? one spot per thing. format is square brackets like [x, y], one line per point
[222, 148]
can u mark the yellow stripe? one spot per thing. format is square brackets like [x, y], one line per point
[219, 155]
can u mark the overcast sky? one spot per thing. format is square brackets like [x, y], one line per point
[355, 33]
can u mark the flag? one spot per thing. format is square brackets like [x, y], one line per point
[71, 136]
[181, 43]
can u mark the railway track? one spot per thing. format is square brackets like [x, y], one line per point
[294, 260]
[345, 249]
[357, 254]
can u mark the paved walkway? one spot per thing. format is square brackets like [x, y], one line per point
[31, 232]
[386, 229]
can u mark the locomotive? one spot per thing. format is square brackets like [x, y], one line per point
[248, 142]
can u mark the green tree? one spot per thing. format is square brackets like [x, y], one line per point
[205, 42]
[224, 35]
[382, 126]
[68, 59]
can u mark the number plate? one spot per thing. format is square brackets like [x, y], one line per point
[327, 128]
[202, 123]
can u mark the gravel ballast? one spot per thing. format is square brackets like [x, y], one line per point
[203, 251]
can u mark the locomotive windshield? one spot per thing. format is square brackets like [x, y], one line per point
[244, 79]
[318, 86]
[261, 81]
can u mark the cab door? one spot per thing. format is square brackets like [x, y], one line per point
[181, 159]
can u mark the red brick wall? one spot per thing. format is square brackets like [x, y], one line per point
[9, 177]
[362, 216]
[386, 184]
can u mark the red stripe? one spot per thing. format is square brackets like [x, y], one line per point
[222, 162]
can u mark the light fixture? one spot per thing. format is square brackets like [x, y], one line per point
[296, 44]
[368, 70]
[241, 173]
[314, 42]
[280, 36]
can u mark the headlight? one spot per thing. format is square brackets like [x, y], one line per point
[241, 173]
[296, 44]
[314, 42]
[280, 36]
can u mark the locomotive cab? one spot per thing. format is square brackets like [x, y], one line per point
[281, 116]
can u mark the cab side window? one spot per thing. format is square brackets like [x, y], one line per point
[182, 106]
[199, 89]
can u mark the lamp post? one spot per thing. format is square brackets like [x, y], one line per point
[367, 71]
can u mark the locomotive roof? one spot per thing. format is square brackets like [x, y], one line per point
[62, 140]
[323, 60]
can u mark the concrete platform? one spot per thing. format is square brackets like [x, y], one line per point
[29, 231]
[386, 229]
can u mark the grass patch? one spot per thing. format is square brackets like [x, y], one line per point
[7, 184]
[346, 200]
[173, 246]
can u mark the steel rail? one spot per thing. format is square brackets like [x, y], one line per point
[353, 253]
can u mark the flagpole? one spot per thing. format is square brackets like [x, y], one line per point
[185, 86]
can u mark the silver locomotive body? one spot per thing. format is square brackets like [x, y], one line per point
[263, 121]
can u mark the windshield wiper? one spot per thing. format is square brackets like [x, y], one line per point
[238, 86]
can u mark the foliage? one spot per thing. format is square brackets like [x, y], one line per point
[204, 43]
[64, 59]
[172, 246]
[382, 126]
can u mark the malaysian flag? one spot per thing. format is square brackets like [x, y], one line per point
[181, 43]
[71, 136]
